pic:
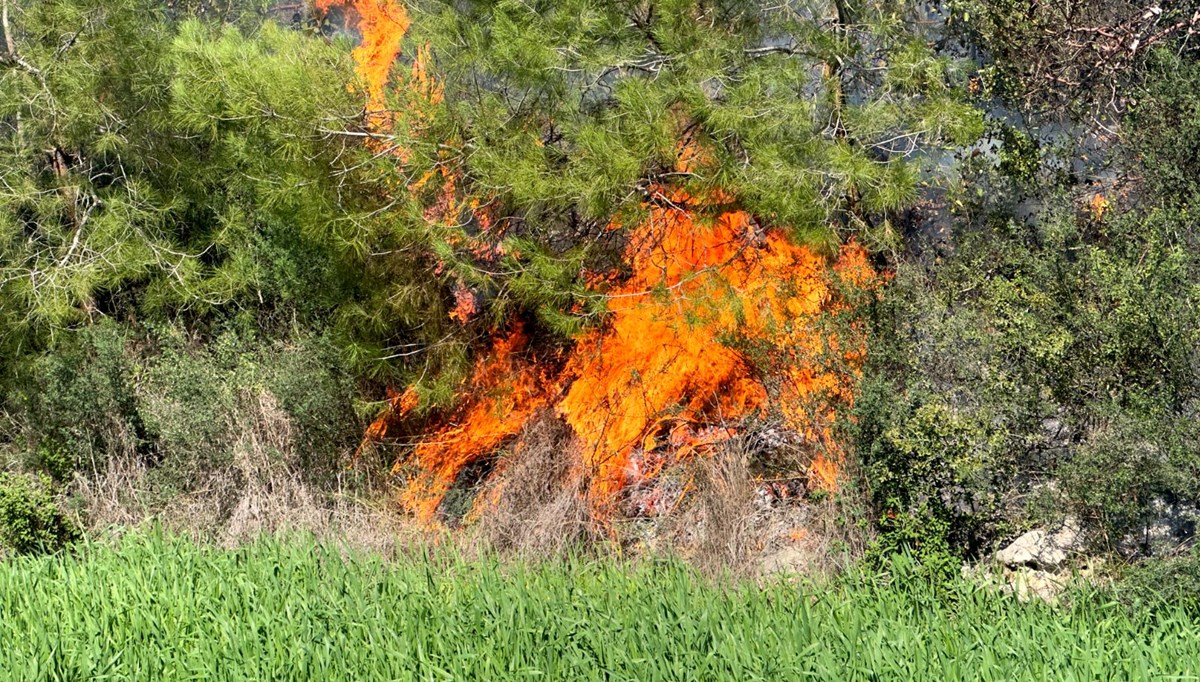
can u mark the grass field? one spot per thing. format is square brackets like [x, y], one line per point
[154, 608]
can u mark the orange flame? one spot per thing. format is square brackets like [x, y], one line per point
[507, 387]
[716, 324]
[383, 24]
[673, 362]
[674, 372]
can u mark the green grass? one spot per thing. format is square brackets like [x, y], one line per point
[155, 608]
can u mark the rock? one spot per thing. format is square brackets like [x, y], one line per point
[1043, 550]
[1029, 549]
[1167, 528]
[1092, 571]
[1029, 584]
[786, 561]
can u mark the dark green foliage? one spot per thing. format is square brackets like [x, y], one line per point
[1162, 585]
[1074, 58]
[199, 401]
[1129, 470]
[31, 521]
[1164, 127]
[923, 535]
[181, 408]
[1063, 351]
[1019, 155]
[1040, 359]
[926, 469]
[78, 404]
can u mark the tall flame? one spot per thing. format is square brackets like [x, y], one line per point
[717, 323]
[382, 24]
[506, 390]
[672, 364]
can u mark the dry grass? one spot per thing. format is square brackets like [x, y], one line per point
[718, 526]
[536, 503]
[112, 489]
[261, 492]
[730, 522]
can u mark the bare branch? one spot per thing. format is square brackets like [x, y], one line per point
[11, 58]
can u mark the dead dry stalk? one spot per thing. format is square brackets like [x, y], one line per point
[536, 505]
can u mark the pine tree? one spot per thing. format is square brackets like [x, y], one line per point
[194, 171]
[155, 167]
[564, 116]
[816, 114]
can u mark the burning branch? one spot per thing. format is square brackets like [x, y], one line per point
[669, 376]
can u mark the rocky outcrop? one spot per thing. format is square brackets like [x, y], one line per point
[1044, 550]
[1035, 565]
[1167, 528]
[1029, 584]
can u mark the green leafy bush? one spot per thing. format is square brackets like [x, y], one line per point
[198, 401]
[925, 468]
[1129, 470]
[1055, 357]
[77, 403]
[113, 397]
[1160, 585]
[30, 519]
[1164, 127]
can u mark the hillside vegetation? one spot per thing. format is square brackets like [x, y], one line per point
[834, 281]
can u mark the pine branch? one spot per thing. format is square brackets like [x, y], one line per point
[11, 58]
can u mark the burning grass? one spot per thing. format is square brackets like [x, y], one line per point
[672, 374]
[719, 324]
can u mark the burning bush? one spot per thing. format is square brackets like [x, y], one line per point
[717, 325]
[712, 319]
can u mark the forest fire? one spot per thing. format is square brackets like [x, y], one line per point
[716, 324]
[382, 25]
[507, 388]
[674, 368]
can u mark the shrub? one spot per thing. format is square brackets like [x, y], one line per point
[1165, 129]
[77, 402]
[1160, 584]
[1123, 477]
[30, 519]
[925, 467]
[922, 536]
[1054, 355]
[927, 452]
[115, 403]
[193, 400]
